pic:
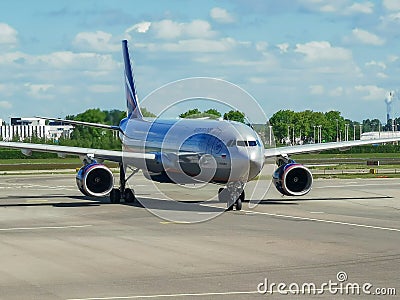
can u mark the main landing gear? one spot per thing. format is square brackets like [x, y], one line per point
[233, 195]
[122, 192]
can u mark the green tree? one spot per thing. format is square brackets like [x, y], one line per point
[86, 136]
[234, 115]
[114, 117]
[212, 112]
[146, 113]
[190, 113]
[304, 124]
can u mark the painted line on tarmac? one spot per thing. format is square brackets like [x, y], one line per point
[355, 185]
[322, 221]
[170, 295]
[45, 227]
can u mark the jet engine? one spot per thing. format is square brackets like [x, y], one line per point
[95, 180]
[293, 179]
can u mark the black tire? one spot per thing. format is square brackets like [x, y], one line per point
[115, 196]
[230, 207]
[238, 204]
[242, 196]
[129, 196]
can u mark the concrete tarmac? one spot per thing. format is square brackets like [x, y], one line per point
[57, 244]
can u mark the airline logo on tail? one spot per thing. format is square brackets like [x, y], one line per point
[131, 96]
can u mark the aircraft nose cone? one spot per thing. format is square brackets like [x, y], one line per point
[255, 168]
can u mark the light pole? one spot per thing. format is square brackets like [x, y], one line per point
[270, 135]
[314, 134]
[337, 130]
[320, 133]
[288, 133]
[360, 130]
[293, 137]
[379, 128]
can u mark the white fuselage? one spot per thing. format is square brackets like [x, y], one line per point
[206, 150]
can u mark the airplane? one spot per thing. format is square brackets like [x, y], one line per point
[184, 151]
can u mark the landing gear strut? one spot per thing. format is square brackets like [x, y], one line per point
[122, 192]
[233, 195]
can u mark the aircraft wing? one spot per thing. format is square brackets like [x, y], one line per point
[72, 122]
[309, 148]
[110, 155]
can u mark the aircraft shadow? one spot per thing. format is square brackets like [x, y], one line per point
[192, 206]
[182, 205]
[294, 201]
[85, 201]
[82, 203]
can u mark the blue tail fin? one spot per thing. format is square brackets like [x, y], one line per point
[131, 96]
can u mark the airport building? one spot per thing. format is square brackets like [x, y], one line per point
[374, 135]
[23, 128]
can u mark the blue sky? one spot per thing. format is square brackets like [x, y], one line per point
[62, 57]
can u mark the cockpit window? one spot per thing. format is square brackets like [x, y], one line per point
[246, 143]
[230, 143]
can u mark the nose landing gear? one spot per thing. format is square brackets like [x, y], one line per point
[233, 195]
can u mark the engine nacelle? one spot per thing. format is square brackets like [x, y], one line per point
[95, 180]
[293, 179]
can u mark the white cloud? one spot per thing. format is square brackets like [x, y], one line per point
[317, 51]
[39, 91]
[261, 46]
[381, 75]
[343, 7]
[221, 15]
[316, 89]
[84, 61]
[390, 22]
[374, 63]
[98, 41]
[283, 48]
[364, 8]
[8, 35]
[5, 105]
[194, 45]
[258, 80]
[337, 92]
[141, 27]
[168, 29]
[198, 29]
[391, 4]
[366, 37]
[370, 92]
[103, 88]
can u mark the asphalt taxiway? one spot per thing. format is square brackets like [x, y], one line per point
[57, 244]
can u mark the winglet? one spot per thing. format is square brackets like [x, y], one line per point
[131, 96]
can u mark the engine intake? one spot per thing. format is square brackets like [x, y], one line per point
[95, 180]
[293, 179]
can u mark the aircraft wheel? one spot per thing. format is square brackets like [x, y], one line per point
[115, 196]
[129, 196]
[230, 207]
[238, 204]
[242, 196]
[239, 201]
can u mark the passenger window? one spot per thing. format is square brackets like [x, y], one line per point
[252, 143]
